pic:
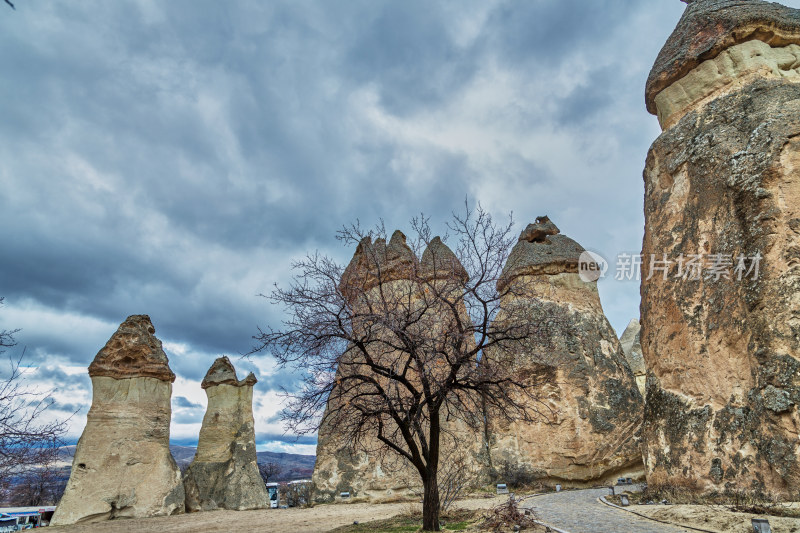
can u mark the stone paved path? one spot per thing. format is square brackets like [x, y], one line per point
[578, 511]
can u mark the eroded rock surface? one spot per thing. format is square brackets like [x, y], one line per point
[632, 348]
[224, 473]
[721, 340]
[590, 408]
[122, 466]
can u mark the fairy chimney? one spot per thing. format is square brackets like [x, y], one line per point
[224, 473]
[122, 466]
[721, 268]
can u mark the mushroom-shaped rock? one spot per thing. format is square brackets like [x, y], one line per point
[224, 473]
[592, 410]
[719, 311]
[122, 466]
[541, 249]
[133, 351]
[439, 262]
[539, 230]
[716, 43]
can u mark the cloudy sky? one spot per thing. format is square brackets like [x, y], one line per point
[172, 158]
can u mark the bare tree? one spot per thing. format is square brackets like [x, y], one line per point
[26, 440]
[269, 471]
[39, 485]
[396, 348]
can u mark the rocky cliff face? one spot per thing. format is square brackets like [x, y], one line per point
[122, 466]
[386, 277]
[224, 473]
[590, 408]
[721, 331]
[632, 348]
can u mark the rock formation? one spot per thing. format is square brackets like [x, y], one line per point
[224, 473]
[632, 348]
[386, 277]
[721, 316]
[122, 466]
[590, 405]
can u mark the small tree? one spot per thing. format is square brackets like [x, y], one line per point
[269, 471]
[26, 441]
[39, 485]
[394, 347]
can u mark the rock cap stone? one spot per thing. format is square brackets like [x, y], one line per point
[222, 371]
[708, 27]
[439, 262]
[541, 249]
[377, 263]
[133, 351]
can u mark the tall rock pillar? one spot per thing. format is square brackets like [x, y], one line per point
[224, 472]
[122, 466]
[721, 253]
[590, 408]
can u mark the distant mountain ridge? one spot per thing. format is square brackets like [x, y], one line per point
[293, 466]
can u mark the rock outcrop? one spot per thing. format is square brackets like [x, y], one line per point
[721, 327]
[122, 466]
[589, 405]
[224, 473]
[390, 280]
[632, 348]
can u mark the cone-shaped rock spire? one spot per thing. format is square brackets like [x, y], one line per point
[377, 263]
[439, 262]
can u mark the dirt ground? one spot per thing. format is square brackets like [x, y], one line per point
[714, 518]
[318, 519]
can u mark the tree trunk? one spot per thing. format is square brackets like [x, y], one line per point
[430, 503]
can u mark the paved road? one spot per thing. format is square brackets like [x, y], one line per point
[578, 511]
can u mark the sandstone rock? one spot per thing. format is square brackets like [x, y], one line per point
[122, 466]
[632, 348]
[387, 278]
[377, 263]
[224, 473]
[723, 351]
[588, 431]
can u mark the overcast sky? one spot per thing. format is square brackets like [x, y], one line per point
[171, 158]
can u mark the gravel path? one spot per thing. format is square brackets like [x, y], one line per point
[578, 511]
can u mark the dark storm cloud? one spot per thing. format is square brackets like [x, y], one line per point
[405, 48]
[173, 158]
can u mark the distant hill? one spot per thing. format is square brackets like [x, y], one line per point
[293, 466]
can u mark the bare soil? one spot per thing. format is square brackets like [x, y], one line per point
[714, 518]
[318, 519]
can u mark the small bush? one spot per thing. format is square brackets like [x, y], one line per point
[507, 515]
